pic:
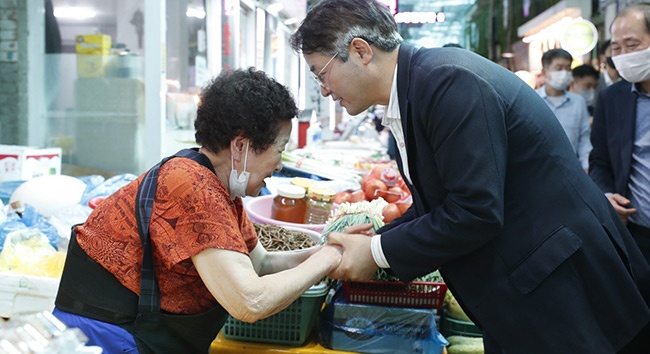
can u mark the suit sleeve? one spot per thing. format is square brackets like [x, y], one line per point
[462, 119]
[600, 166]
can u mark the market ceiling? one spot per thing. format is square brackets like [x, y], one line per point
[453, 13]
[436, 22]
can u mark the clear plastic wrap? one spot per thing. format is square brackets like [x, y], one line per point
[41, 333]
[379, 330]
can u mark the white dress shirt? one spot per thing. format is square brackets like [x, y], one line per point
[392, 119]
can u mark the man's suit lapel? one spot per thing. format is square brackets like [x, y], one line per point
[403, 85]
[627, 116]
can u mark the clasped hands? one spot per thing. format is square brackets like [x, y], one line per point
[356, 261]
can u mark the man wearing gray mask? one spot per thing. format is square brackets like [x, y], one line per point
[620, 160]
[569, 108]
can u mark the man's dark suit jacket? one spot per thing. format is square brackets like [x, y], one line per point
[612, 137]
[525, 240]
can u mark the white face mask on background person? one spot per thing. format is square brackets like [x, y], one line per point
[560, 79]
[635, 66]
[589, 96]
[238, 184]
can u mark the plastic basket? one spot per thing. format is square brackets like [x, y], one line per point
[290, 326]
[416, 294]
[454, 327]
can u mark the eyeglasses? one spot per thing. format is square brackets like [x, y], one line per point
[318, 77]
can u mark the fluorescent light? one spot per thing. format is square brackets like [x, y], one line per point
[275, 8]
[76, 13]
[419, 17]
[291, 21]
[194, 12]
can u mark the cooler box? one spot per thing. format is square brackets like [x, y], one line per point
[379, 329]
[24, 293]
[22, 163]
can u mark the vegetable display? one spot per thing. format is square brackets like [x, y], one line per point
[277, 238]
[384, 182]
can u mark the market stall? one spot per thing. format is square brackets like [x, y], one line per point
[318, 191]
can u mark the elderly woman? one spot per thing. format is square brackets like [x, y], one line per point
[160, 264]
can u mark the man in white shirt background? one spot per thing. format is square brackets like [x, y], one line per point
[569, 108]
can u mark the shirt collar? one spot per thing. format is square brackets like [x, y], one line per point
[392, 110]
[639, 92]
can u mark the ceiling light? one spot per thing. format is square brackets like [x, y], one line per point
[75, 13]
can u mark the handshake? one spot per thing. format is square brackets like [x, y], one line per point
[351, 253]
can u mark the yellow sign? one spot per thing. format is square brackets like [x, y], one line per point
[579, 37]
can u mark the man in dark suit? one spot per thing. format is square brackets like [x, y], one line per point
[620, 159]
[524, 239]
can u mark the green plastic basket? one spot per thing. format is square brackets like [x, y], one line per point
[290, 326]
[454, 327]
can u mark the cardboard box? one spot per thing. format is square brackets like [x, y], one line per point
[22, 163]
[379, 329]
[24, 293]
[93, 44]
[92, 65]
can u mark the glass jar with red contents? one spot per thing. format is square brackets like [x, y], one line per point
[289, 205]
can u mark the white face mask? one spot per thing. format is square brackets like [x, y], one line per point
[634, 67]
[238, 184]
[560, 79]
[589, 96]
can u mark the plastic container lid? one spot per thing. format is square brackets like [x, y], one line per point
[321, 193]
[291, 191]
[303, 182]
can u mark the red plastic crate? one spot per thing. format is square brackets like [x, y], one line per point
[416, 294]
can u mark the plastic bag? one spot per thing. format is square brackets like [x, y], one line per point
[28, 251]
[11, 224]
[379, 329]
[107, 187]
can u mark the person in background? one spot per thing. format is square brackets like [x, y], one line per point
[569, 108]
[526, 242]
[620, 159]
[585, 84]
[160, 264]
[607, 68]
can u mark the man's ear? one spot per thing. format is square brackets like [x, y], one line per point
[360, 48]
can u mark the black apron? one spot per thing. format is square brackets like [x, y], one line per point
[89, 290]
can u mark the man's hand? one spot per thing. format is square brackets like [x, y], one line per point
[357, 262]
[622, 206]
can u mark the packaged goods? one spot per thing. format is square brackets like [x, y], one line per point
[22, 163]
[319, 205]
[289, 204]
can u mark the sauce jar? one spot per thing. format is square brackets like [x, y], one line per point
[319, 205]
[289, 205]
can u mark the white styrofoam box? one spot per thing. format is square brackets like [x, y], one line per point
[22, 163]
[24, 293]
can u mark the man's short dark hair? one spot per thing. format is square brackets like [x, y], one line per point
[604, 45]
[585, 70]
[548, 56]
